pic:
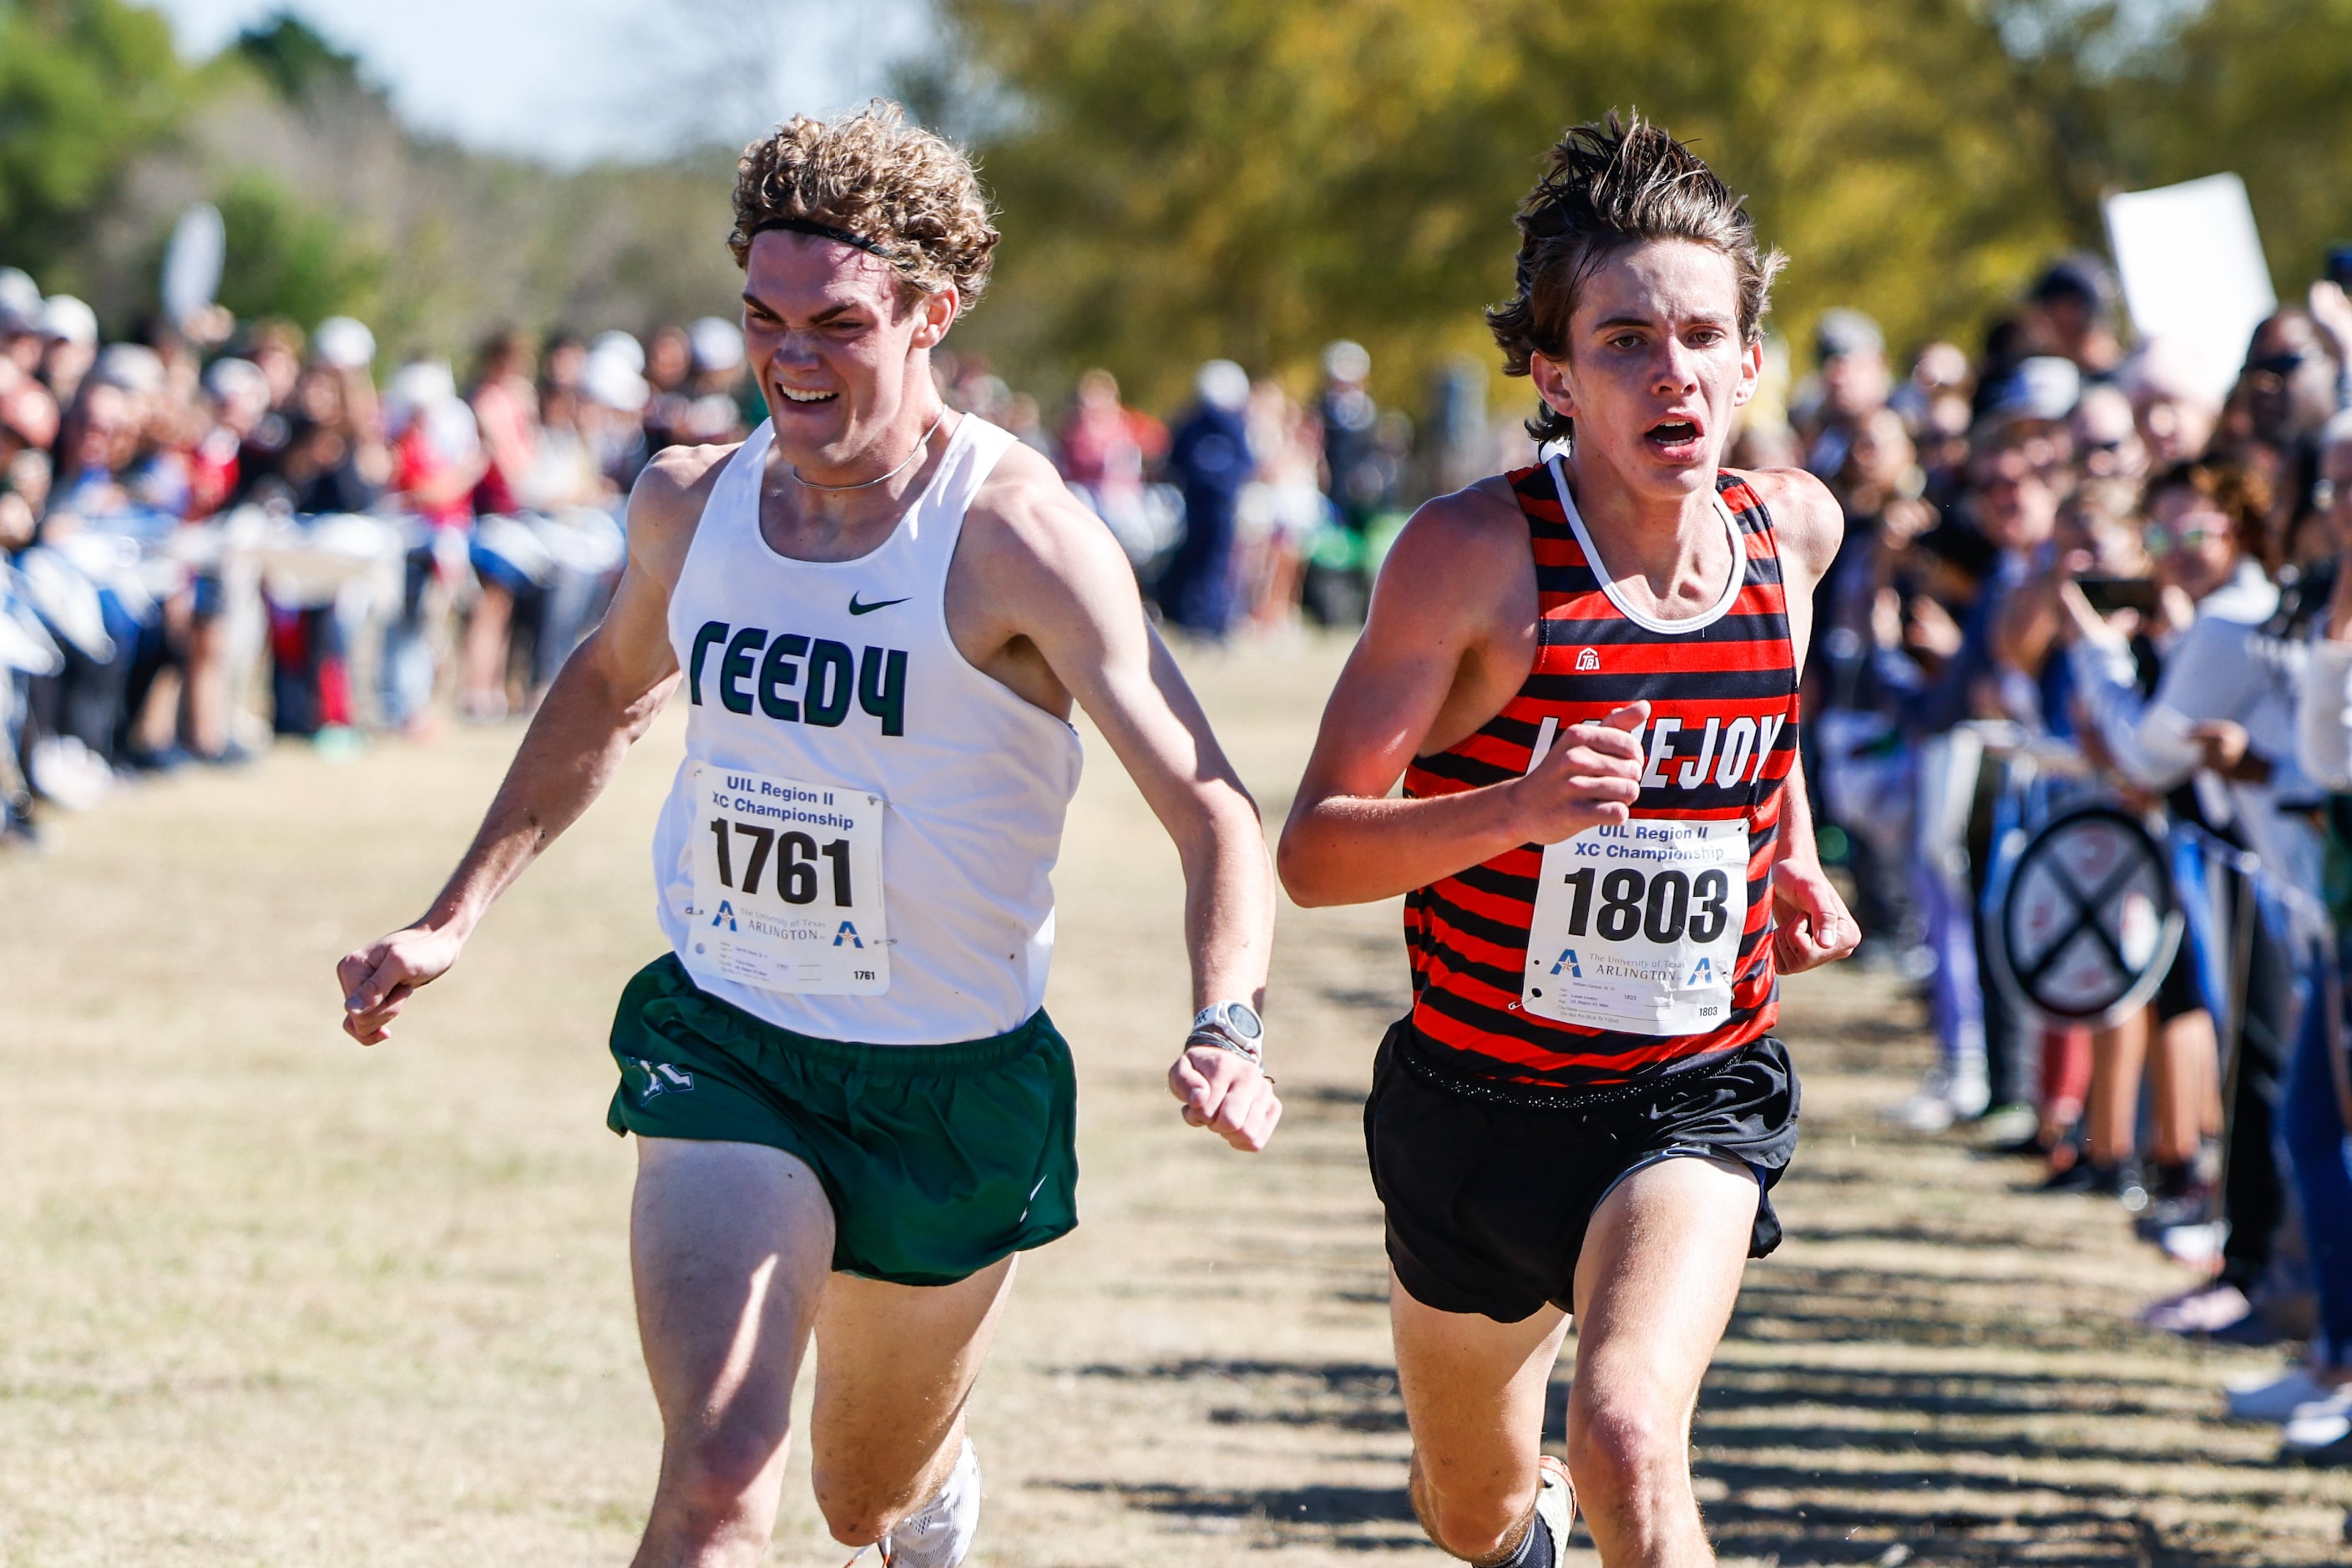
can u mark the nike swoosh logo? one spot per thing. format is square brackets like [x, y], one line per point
[857, 609]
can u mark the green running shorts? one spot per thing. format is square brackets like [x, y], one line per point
[939, 1159]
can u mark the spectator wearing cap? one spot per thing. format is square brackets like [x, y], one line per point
[1854, 687]
[669, 366]
[2018, 478]
[20, 321]
[505, 401]
[437, 463]
[2106, 436]
[1849, 386]
[1105, 448]
[721, 403]
[1209, 455]
[69, 344]
[1351, 451]
[612, 414]
[2295, 379]
[2219, 708]
[2175, 415]
[2316, 1111]
[2071, 313]
[29, 414]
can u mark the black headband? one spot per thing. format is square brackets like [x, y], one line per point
[823, 231]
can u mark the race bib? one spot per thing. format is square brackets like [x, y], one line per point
[787, 885]
[1637, 927]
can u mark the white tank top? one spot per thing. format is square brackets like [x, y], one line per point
[841, 677]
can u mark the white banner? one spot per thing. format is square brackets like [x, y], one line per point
[2192, 270]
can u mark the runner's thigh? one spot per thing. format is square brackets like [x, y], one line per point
[894, 1363]
[1473, 1393]
[1659, 1273]
[731, 1244]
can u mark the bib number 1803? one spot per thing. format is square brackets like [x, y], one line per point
[1663, 907]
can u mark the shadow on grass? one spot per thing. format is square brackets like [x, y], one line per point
[1345, 1518]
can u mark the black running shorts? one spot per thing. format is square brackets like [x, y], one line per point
[1488, 1189]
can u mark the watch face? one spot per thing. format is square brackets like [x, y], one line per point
[1244, 1020]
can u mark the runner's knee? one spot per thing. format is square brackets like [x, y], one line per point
[1467, 1520]
[711, 1470]
[1620, 1449]
[857, 1509]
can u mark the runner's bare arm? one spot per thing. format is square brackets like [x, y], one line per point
[1812, 925]
[1055, 580]
[1435, 662]
[606, 694]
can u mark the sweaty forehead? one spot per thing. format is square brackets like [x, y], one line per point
[1660, 280]
[795, 274]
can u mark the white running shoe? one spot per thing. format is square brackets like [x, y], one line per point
[1556, 1504]
[2320, 1422]
[2206, 1309]
[1943, 1098]
[939, 1534]
[2273, 1396]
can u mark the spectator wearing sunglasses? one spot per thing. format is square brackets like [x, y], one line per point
[2221, 716]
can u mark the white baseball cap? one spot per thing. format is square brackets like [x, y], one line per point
[67, 320]
[344, 343]
[717, 344]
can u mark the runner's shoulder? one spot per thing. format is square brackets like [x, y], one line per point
[1805, 515]
[1461, 552]
[667, 501]
[1025, 514]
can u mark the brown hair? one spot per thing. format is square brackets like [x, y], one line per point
[908, 195]
[1607, 185]
[2233, 489]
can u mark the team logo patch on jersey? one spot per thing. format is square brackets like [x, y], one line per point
[1587, 662]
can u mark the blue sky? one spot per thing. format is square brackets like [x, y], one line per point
[570, 80]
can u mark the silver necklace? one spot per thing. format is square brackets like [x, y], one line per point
[921, 447]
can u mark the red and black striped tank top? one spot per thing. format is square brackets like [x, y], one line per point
[1720, 741]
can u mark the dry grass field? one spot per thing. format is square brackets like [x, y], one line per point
[269, 1299]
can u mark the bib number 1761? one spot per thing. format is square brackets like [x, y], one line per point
[787, 885]
[795, 860]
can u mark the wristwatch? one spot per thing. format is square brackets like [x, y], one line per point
[1231, 1025]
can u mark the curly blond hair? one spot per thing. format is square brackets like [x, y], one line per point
[896, 190]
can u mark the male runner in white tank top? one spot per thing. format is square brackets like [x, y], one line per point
[851, 1111]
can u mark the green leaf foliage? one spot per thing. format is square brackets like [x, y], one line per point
[288, 259]
[1254, 177]
[85, 86]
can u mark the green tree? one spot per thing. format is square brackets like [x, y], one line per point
[294, 59]
[1253, 177]
[85, 87]
[2263, 87]
[287, 258]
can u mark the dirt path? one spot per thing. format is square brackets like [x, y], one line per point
[271, 1300]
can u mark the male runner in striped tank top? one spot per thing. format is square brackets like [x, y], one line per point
[1586, 674]
[882, 613]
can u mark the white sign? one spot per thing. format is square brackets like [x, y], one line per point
[192, 264]
[2192, 270]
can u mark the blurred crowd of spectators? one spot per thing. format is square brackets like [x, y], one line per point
[203, 543]
[212, 534]
[2073, 572]
[1254, 509]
